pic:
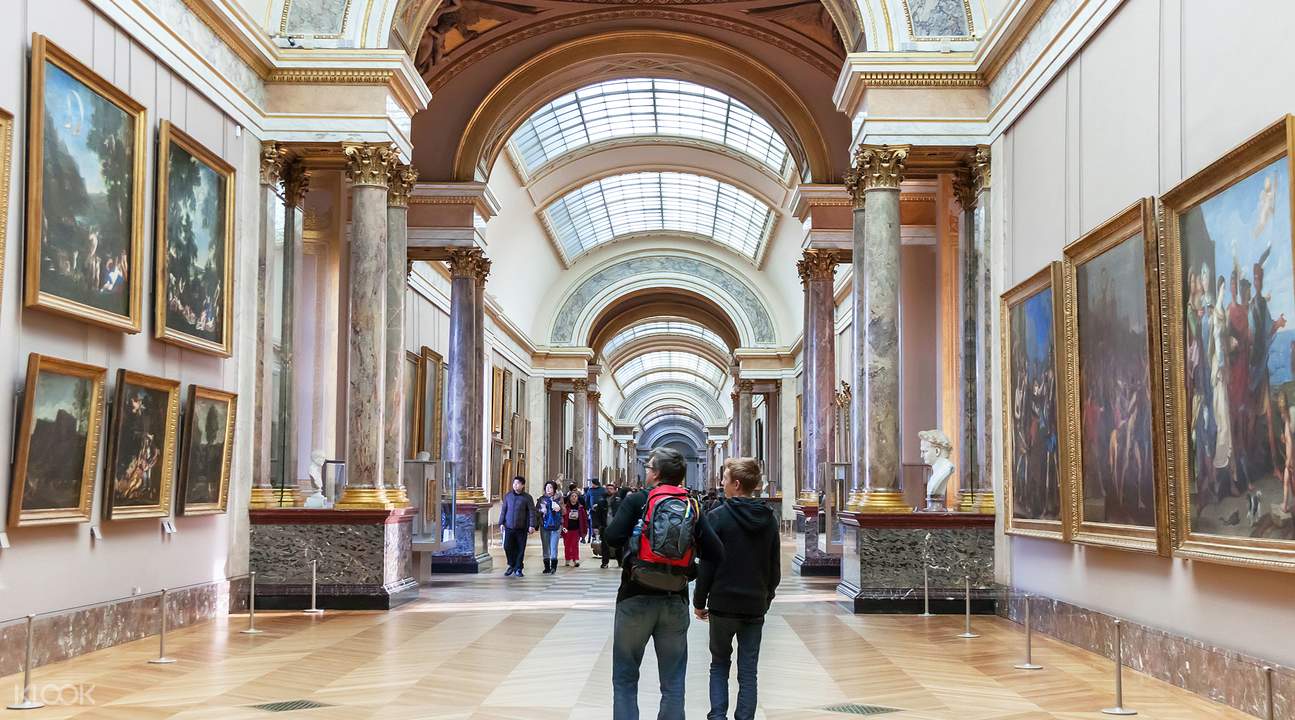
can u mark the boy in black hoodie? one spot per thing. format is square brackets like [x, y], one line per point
[734, 595]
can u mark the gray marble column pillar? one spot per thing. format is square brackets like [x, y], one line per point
[468, 270]
[400, 183]
[479, 430]
[972, 186]
[878, 171]
[367, 167]
[773, 446]
[746, 413]
[580, 433]
[296, 182]
[817, 269]
[554, 431]
[593, 460]
[273, 158]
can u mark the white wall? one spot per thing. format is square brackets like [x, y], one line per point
[1162, 90]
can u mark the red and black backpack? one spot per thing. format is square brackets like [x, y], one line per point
[665, 539]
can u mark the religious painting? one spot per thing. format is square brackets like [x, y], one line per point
[57, 449]
[1031, 416]
[195, 245]
[1228, 236]
[85, 193]
[431, 391]
[1115, 469]
[206, 452]
[141, 447]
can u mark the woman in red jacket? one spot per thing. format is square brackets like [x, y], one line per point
[575, 523]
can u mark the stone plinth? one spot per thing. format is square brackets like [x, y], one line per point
[471, 551]
[365, 558]
[881, 566]
[810, 560]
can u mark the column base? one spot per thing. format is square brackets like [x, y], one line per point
[367, 498]
[462, 564]
[817, 565]
[265, 497]
[909, 601]
[470, 495]
[982, 502]
[397, 496]
[889, 502]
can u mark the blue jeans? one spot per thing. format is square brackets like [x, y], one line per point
[550, 543]
[748, 632]
[664, 619]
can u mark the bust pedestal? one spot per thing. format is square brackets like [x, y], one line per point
[471, 551]
[810, 560]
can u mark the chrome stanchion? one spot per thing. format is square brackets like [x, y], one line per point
[27, 702]
[1268, 688]
[926, 592]
[161, 658]
[1029, 641]
[1119, 708]
[314, 577]
[967, 633]
[251, 606]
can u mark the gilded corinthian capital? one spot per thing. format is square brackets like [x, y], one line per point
[973, 178]
[469, 263]
[369, 163]
[879, 167]
[273, 156]
[296, 183]
[400, 182]
[816, 265]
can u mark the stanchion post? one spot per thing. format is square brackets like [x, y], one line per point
[1029, 640]
[1119, 708]
[314, 576]
[926, 592]
[1268, 693]
[251, 606]
[27, 702]
[967, 634]
[161, 658]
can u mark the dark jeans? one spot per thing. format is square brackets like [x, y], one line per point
[748, 632]
[664, 619]
[515, 547]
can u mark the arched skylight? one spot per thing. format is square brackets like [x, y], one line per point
[620, 205]
[643, 108]
[669, 410]
[658, 327]
[668, 366]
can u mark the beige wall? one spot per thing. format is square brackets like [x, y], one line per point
[58, 567]
[1162, 90]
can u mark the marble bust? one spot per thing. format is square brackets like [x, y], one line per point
[936, 448]
[316, 499]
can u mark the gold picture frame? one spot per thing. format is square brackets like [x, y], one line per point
[45, 54]
[52, 447]
[6, 167]
[413, 379]
[497, 402]
[1259, 165]
[141, 403]
[431, 389]
[1048, 280]
[170, 135]
[1138, 220]
[183, 504]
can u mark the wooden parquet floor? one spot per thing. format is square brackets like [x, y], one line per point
[488, 647]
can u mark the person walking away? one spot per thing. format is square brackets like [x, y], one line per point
[575, 522]
[517, 520]
[593, 494]
[598, 521]
[549, 510]
[614, 501]
[735, 595]
[663, 531]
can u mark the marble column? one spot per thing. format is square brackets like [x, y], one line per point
[399, 184]
[773, 446]
[273, 158]
[555, 430]
[746, 411]
[580, 433]
[367, 168]
[479, 431]
[593, 460]
[296, 182]
[817, 269]
[877, 173]
[468, 269]
[735, 427]
[972, 187]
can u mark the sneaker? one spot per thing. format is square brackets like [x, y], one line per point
[577, 563]
[509, 571]
[519, 573]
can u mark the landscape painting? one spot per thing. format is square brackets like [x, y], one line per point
[195, 250]
[141, 446]
[1112, 385]
[1032, 417]
[207, 452]
[1229, 231]
[58, 442]
[85, 193]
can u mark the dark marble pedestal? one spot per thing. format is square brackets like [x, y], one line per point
[884, 555]
[810, 560]
[471, 551]
[364, 558]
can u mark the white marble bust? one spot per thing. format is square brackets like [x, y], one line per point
[316, 499]
[936, 447]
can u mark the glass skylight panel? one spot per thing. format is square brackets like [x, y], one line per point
[606, 209]
[646, 107]
[664, 327]
[661, 376]
[666, 366]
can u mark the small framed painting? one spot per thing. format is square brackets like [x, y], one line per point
[141, 447]
[1032, 421]
[58, 442]
[206, 452]
[431, 393]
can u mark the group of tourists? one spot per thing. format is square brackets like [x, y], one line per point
[572, 517]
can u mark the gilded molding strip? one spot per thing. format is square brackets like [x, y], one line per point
[910, 79]
[331, 76]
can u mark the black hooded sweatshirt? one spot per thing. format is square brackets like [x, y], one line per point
[743, 584]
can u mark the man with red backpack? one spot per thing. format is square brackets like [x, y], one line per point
[663, 532]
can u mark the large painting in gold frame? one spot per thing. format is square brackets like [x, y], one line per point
[431, 391]
[193, 304]
[58, 442]
[1033, 416]
[85, 234]
[1115, 469]
[1228, 238]
[139, 473]
[206, 452]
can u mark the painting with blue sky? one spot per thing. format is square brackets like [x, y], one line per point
[1035, 463]
[195, 246]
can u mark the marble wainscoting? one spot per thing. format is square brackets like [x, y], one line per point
[1222, 675]
[365, 558]
[883, 558]
[62, 635]
[471, 551]
[810, 560]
